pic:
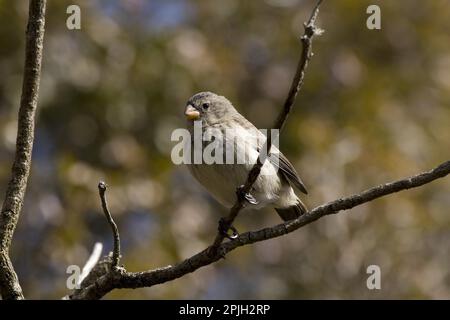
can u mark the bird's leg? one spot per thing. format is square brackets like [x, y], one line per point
[224, 226]
[247, 196]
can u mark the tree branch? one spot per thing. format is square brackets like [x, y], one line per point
[116, 251]
[15, 193]
[310, 31]
[116, 278]
[123, 279]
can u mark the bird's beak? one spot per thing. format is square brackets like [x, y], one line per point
[191, 113]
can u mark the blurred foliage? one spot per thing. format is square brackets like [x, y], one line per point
[375, 107]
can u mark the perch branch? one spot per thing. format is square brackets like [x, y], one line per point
[123, 279]
[149, 278]
[15, 193]
[310, 31]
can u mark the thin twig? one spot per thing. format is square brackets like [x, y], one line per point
[150, 278]
[310, 31]
[116, 252]
[89, 265]
[91, 262]
[15, 193]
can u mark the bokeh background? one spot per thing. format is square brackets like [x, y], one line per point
[374, 108]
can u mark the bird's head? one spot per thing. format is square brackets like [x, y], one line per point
[209, 107]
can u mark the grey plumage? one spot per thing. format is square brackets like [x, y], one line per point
[273, 186]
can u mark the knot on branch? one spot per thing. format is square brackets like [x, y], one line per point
[311, 30]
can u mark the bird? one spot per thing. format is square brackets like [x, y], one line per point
[274, 186]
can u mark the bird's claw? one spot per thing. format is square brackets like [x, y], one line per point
[224, 227]
[247, 196]
[250, 199]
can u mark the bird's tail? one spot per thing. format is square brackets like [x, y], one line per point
[292, 212]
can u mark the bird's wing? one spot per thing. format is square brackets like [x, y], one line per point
[286, 168]
[288, 171]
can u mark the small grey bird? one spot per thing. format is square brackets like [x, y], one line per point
[273, 186]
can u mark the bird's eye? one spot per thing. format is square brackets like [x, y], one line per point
[205, 105]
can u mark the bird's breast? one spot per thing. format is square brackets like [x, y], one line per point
[222, 174]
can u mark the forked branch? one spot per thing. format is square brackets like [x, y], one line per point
[150, 278]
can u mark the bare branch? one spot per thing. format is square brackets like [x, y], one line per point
[123, 279]
[108, 266]
[120, 278]
[116, 251]
[310, 31]
[15, 193]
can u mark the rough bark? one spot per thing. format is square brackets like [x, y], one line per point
[15, 193]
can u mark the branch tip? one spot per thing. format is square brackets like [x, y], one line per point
[102, 187]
